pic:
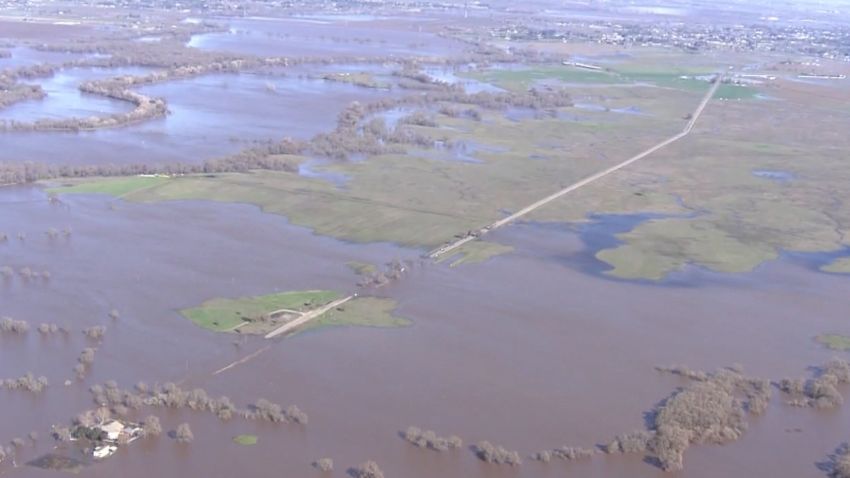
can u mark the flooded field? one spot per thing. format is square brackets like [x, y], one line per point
[523, 338]
[65, 100]
[25, 56]
[210, 116]
[329, 36]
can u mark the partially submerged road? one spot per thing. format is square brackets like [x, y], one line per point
[443, 250]
[307, 316]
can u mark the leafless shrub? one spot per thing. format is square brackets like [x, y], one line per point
[61, 434]
[151, 426]
[114, 314]
[294, 414]
[86, 356]
[369, 469]
[183, 434]
[95, 332]
[28, 383]
[565, 453]
[10, 325]
[268, 411]
[487, 452]
[324, 465]
[47, 329]
[633, 442]
[822, 390]
[429, 439]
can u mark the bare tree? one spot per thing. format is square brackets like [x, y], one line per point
[324, 465]
[369, 469]
[183, 434]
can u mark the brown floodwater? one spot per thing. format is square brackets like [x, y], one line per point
[527, 350]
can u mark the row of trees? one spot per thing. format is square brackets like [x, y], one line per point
[28, 383]
[172, 396]
[565, 453]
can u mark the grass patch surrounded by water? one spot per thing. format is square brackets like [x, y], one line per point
[117, 186]
[223, 315]
[360, 312]
[476, 252]
[655, 248]
[522, 79]
[362, 268]
[246, 440]
[839, 266]
[834, 342]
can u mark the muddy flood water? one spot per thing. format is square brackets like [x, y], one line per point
[525, 350]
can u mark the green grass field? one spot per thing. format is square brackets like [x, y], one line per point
[840, 266]
[360, 312]
[475, 252]
[246, 440]
[118, 186]
[222, 315]
[834, 342]
[362, 268]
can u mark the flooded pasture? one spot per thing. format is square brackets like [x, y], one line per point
[210, 116]
[524, 350]
[329, 36]
[65, 100]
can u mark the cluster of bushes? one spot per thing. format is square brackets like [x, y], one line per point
[839, 462]
[28, 383]
[324, 465]
[636, 441]
[11, 93]
[393, 271]
[84, 362]
[47, 329]
[369, 469]
[429, 439]
[95, 332]
[10, 325]
[183, 433]
[712, 409]
[566, 453]
[820, 391]
[487, 452]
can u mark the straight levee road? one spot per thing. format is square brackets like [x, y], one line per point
[441, 251]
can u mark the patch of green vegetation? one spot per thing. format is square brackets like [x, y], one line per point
[834, 342]
[362, 268]
[476, 252]
[522, 79]
[246, 440]
[654, 249]
[735, 92]
[366, 80]
[117, 186]
[223, 315]
[360, 312]
[424, 201]
[839, 266]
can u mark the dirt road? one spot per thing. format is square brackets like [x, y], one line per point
[437, 253]
[307, 316]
